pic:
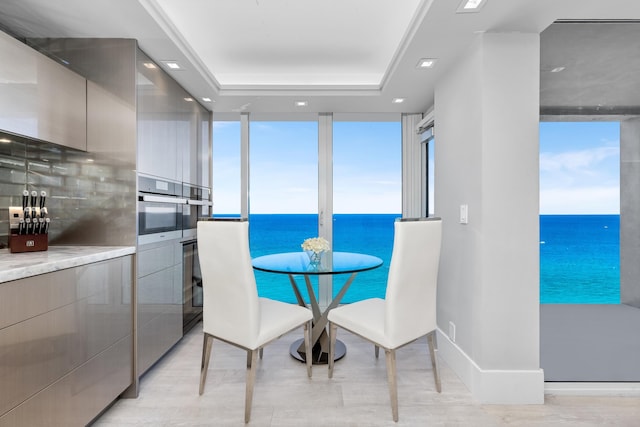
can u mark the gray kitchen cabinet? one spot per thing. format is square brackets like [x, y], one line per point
[40, 98]
[65, 343]
[160, 122]
[188, 141]
[157, 143]
[172, 128]
[194, 141]
[195, 162]
[159, 308]
[204, 149]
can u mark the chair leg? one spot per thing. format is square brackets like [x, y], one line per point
[261, 352]
[393, 384]
[252, 356]
[333, 330]
[206, 355]
[307, 346]
[376, 350]
[433, 350]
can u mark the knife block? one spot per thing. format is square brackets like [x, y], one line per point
[28, 242]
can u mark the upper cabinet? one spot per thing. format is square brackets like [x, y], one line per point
[40, 98]
[204, 149]
[172, 127]
[194, 142]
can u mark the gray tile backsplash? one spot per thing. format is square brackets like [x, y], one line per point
[91, 198]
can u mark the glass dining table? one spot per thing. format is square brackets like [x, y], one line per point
[331, 263]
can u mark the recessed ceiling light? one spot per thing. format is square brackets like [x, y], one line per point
[188, 99]
[398, 100]
[205, 99]
[301, 103]
[426, 63]
[172, 65]
[150, 65]
[5, 140]
[557, 69]
[470, 6]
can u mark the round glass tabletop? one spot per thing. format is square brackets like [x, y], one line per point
[330, 263]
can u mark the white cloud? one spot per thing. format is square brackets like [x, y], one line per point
[576, 161]
[585, 200]
[580, 181]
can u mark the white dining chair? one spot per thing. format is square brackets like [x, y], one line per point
[232, 310]
[408, 311]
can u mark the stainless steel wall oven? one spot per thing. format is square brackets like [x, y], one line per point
[168, 213]
[160, 209]
[198, 206]
[192, 286]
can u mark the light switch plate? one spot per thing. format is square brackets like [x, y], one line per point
[464, 214]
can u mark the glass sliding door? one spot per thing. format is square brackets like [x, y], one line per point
[367, 193]
[283, 194]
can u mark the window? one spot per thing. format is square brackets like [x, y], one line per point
[367, 181]
[283, 202]
[226, 168]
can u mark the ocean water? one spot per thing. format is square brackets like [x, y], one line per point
[580, 259]
[579, 254]
[370, 234]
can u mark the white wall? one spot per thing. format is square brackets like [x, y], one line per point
[486, 150]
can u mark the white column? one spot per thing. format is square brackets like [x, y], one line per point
[487, 118]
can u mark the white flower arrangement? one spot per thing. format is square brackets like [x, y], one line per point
[316, 245]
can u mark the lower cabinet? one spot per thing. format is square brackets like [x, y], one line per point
[65, 344]
[159, 305]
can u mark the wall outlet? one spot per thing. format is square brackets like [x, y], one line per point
[452, 331]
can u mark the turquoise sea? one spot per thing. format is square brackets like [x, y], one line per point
[579, 254]
[580, 259]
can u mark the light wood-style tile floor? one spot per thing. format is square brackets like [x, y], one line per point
[356, 396]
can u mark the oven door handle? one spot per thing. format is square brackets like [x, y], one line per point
[199, 202]
[162, 199]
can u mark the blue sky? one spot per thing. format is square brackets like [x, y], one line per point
[579, 167]
[284, 171]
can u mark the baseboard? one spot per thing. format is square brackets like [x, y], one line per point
[490, 386]
[630, 389]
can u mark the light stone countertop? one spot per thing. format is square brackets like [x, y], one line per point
[20, 265]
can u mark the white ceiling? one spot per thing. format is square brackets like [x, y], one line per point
[339, 55]
[257, 43]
